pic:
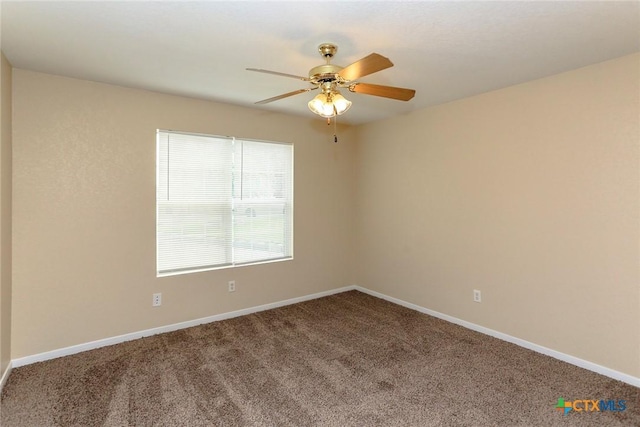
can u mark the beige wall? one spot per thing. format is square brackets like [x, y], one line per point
[530, 194]
[5, 214]
[84, 212]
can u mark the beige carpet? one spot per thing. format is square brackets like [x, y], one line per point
[344, 360]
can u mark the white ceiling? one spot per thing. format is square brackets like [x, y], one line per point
[445, 50]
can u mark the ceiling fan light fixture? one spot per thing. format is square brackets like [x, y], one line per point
[329, 104]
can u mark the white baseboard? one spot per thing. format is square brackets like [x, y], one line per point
[5, 376]
[66, 351]
[608, 372]
[611, 373]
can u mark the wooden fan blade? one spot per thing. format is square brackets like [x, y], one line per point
[367, 65]
[259, 70]
[398, 93]
[285, 95]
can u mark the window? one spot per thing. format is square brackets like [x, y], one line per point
[222, 202]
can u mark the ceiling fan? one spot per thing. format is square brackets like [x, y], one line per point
[329, 78]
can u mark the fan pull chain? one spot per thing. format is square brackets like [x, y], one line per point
[335, 125]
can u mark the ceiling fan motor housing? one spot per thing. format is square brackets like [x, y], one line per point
[324, 73]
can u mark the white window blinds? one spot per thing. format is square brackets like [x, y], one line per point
[222, 202]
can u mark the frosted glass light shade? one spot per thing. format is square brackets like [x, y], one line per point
[342, 104]
[323, 104]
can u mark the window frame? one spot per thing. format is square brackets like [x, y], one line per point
[235, 169]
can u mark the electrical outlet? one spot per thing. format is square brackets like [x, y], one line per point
[157, 300]
[232, 285]
[477, 295]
